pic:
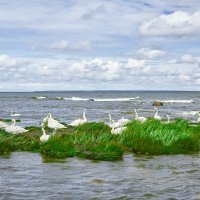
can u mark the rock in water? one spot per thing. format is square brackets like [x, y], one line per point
[157, 103]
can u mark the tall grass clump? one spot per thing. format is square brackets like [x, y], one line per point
[155, 137]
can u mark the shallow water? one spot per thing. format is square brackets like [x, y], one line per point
[25, 176]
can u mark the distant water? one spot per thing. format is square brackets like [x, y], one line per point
[67, 106]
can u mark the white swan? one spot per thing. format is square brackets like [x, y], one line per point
[15, 129]
[124, 121]
[137, 118]
[14, 115]
[119, 130]
[3, 125]
[156, 116]
[79, 121]
[44, 137]
[54, 124]
[112, 123]
[168, 120]
[198, 119]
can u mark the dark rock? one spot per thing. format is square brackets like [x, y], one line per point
[90, 99]
[157, 103]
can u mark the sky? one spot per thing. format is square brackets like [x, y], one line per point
[99, 45]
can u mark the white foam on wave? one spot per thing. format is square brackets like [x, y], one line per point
[190, 112]
[41, 97]
[101, 99]
[176, 101]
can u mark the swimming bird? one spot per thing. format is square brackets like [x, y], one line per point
[80, 121]
[14, 115]
[3, 125]
[54, 124]
[156, 116]
[137, 118]
[45, 137]
[15, 129]
[119, 130]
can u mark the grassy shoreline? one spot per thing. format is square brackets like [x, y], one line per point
[94, 140]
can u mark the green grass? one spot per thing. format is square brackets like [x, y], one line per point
[9, 120]
[95, 141]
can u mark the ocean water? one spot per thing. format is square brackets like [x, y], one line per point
[67, 106]
[26, 176]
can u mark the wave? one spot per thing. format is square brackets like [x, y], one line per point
[176, 101]
[39, 97]
[190, 112]
[101, 99]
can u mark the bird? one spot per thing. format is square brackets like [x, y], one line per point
[14, 115]
[168, 120]
[54, 124]
[124, 121]
[3, 125]
[118, 130]
[113, 123]
[80, 121]
[198, 119]
[15, 129]
[44, 137]
[137, 118]
[156, 116]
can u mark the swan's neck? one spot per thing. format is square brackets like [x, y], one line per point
[136, 114]
[168, 118]
[156, 114]
[43, 131]
[198, 119]
[84, 117]
[110, 118]
[14, 121]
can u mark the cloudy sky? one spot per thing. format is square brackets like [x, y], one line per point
[99, 44]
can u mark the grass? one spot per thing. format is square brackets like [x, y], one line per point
[94, 140]
[9, 120]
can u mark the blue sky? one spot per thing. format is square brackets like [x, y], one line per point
[99, 44]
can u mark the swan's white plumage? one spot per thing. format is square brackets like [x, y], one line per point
[118, 130]
[15, 129]
[44, 137]
[14, 115]
[124, 121]
[137, 118]
[156, 116]
[52, 123]
[3, 125]
[79, 121]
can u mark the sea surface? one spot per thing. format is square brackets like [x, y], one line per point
[67, 106]
[26, 176]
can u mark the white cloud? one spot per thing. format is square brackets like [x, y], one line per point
[68, 45]
[134, 63]
[188, 58]
[178, 23]
[151, 53]
[6, 61]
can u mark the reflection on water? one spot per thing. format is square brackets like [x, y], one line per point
[25, 176]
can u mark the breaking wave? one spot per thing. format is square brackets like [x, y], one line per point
[101, 99]
[176, 101]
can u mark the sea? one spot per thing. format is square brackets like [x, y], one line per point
[26, 176]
